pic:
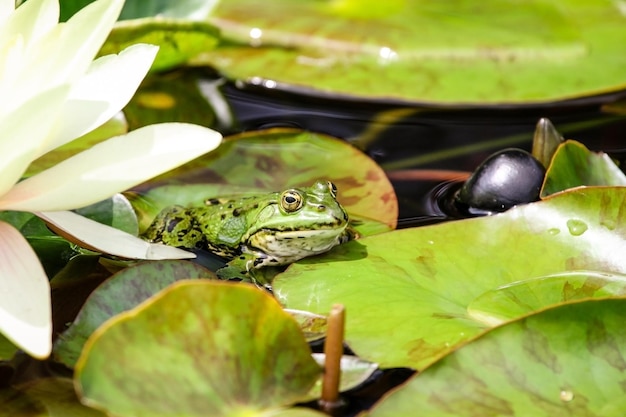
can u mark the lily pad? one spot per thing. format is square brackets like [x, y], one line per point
[408, 290]
[425, 51]
[273, 160]
[123, 291]
[574, 165]
[178, 39]
[524, 297]
[565, 362]
[207, 348]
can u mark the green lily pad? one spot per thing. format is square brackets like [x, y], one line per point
[425, 51]
[524, 297]
[272, 160]
[123, 291]
[207, 348]
[178, 39]
[565, 362]
[408, 291]
[574, 165]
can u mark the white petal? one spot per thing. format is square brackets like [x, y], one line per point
[101, 238]
[22, 132]
[25, 311]
[107, 87]
[6, 10]
[81, 39]
[110, 167]
[32, 20]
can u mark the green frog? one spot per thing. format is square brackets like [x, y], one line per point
[252, 232]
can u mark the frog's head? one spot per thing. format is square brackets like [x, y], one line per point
[297, 223]
[305, 209]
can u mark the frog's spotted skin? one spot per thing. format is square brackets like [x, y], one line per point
[252, 232]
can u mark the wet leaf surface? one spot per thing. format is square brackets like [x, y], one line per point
[122, 292]
[407, 291]
[208, 348]
[565, 362]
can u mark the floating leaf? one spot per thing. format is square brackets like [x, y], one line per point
[354, 372]
[313, 326]
[524, 297]
[178, 40]
[274, 160]
[408, 291]
[564, 362]
[122, 292]
[574, 165]
[529, 52]
[207, 348]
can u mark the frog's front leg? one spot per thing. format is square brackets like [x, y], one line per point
[246, 267]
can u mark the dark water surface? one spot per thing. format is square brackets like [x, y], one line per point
[426, 152]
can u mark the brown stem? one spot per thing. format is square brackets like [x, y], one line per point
[333, 350]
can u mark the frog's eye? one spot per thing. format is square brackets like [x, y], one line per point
[291, 201]
[332, 188]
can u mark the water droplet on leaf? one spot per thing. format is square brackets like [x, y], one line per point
[576, 227]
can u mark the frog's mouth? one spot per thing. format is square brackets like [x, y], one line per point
[323, 231]
[307, 233]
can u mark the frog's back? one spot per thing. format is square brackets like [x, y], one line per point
[224, 224]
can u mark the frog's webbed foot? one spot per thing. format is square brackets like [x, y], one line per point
[244, 268]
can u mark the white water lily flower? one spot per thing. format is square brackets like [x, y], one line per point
[53, 92]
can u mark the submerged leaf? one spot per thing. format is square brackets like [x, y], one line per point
[565, 362]
[408, 291]
[207, 348]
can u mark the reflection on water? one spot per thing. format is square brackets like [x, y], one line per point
[425, 152]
